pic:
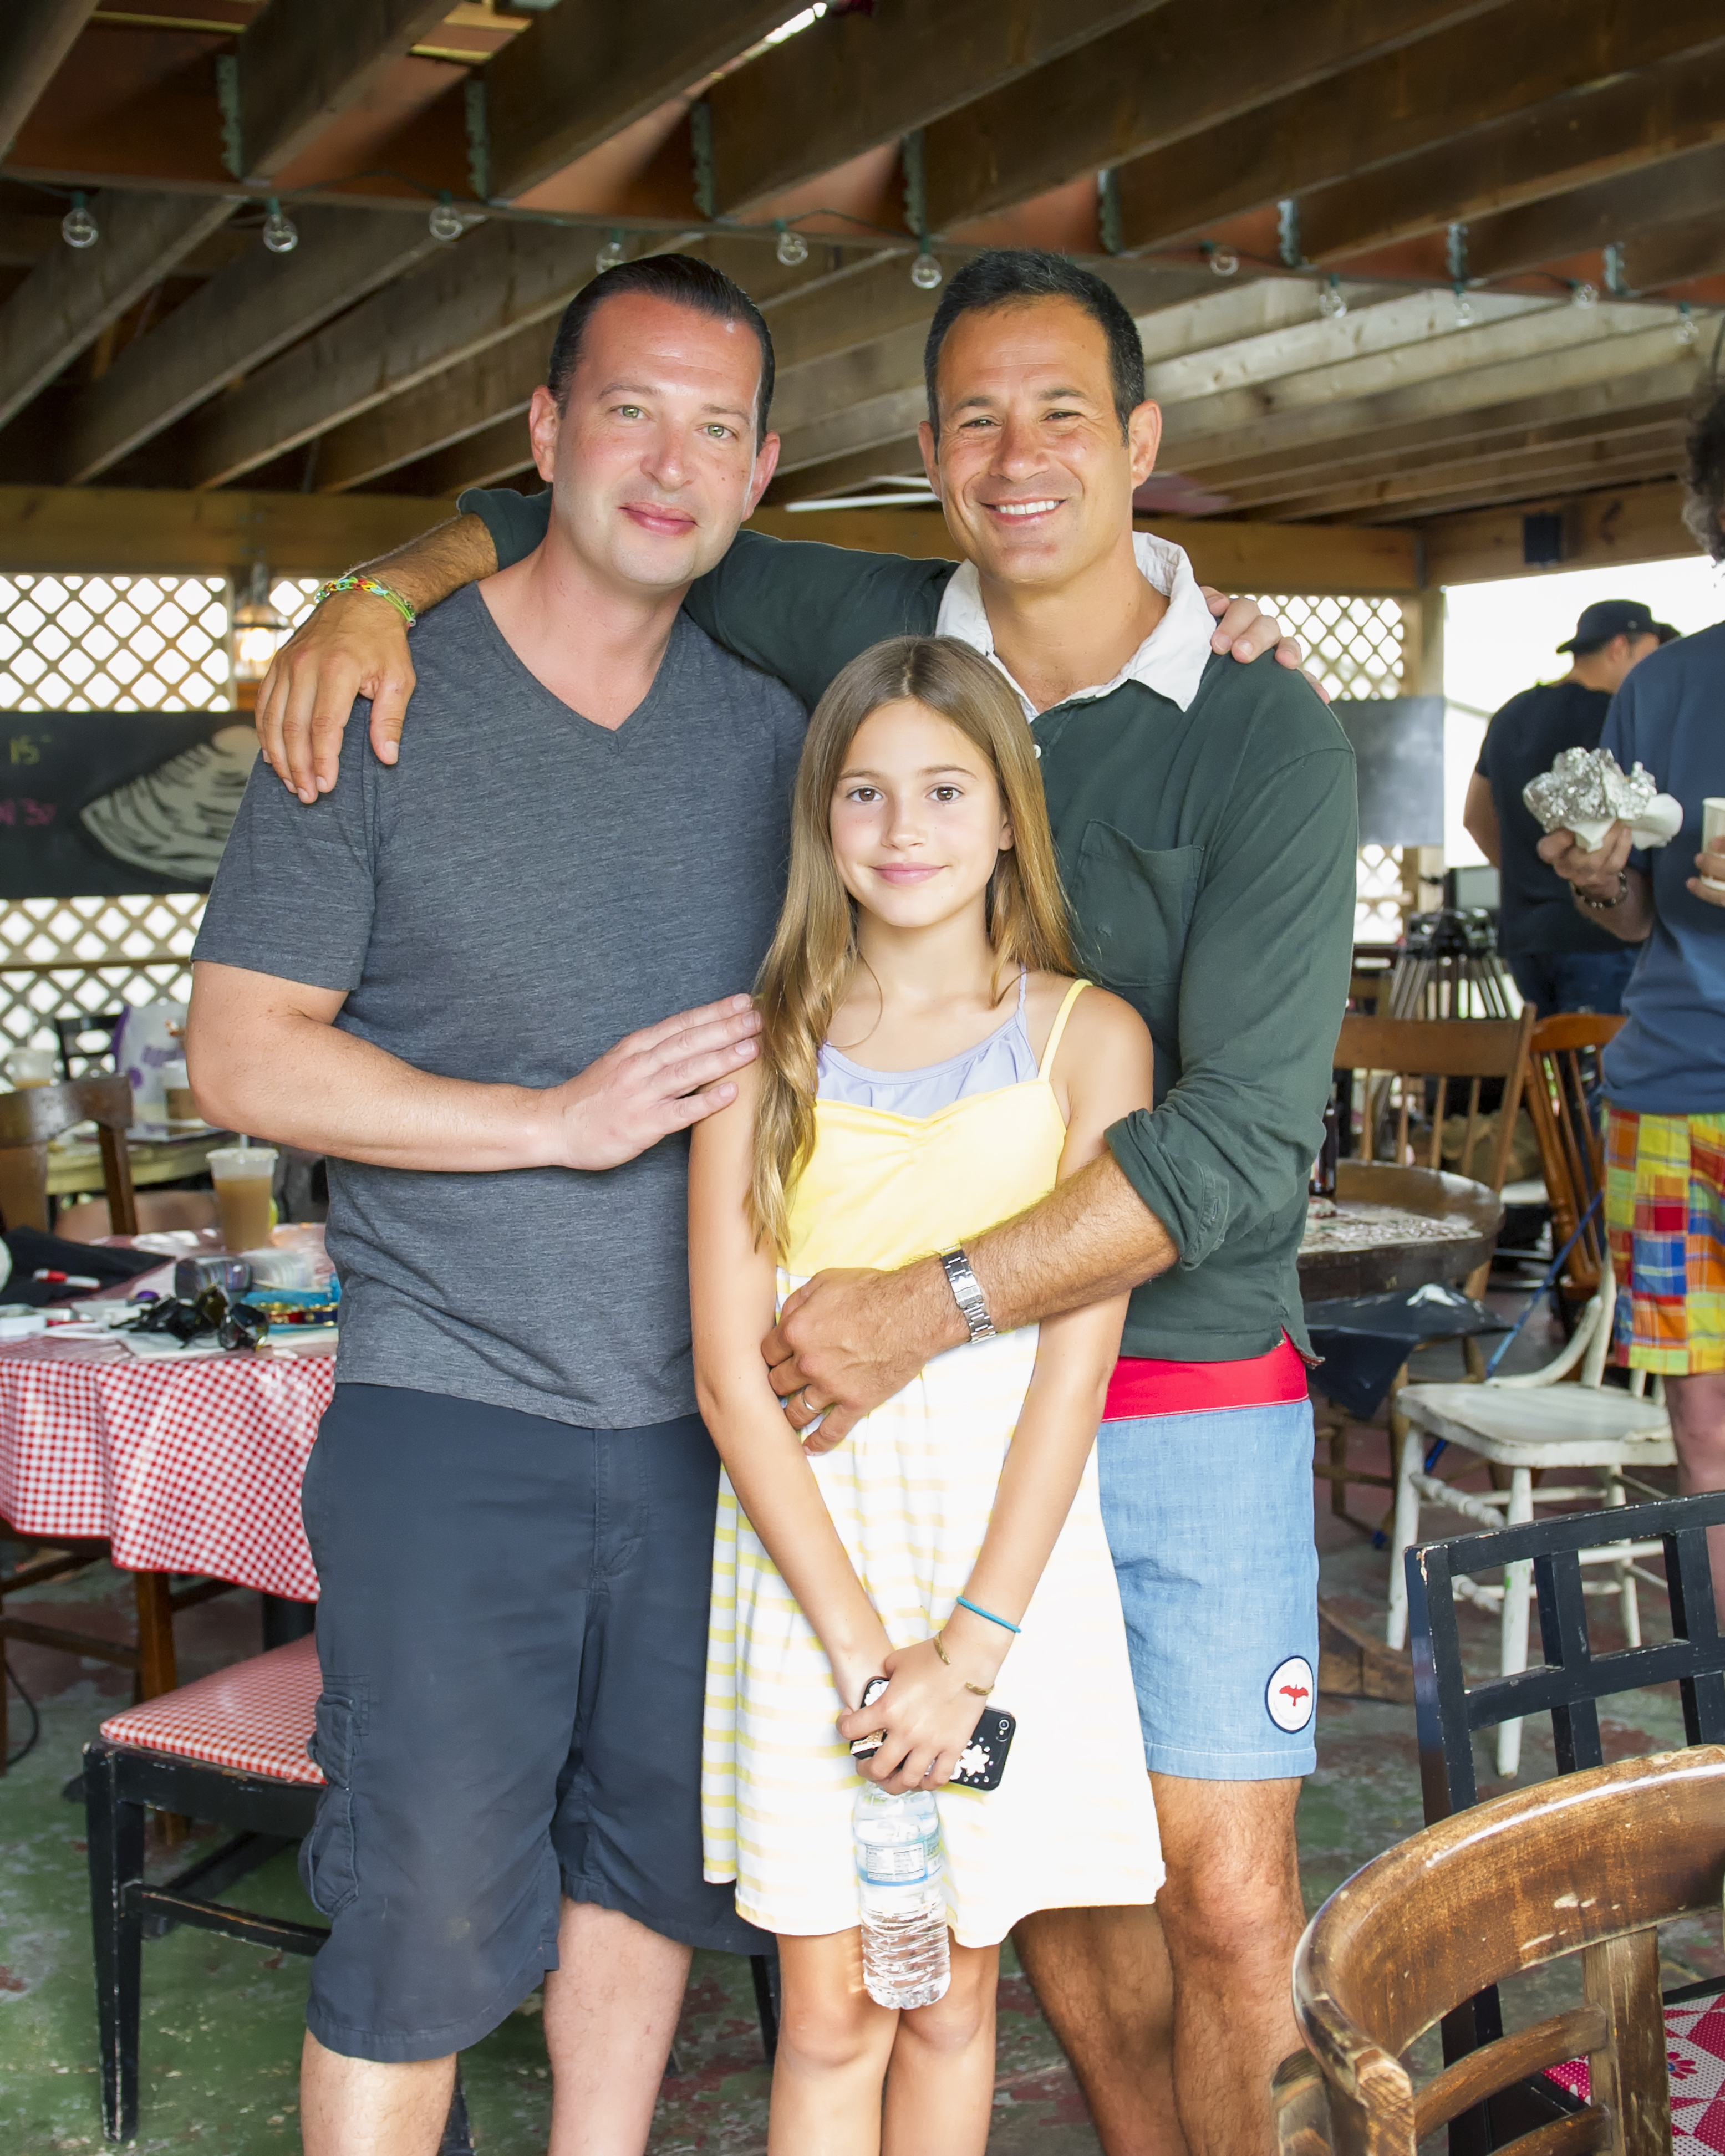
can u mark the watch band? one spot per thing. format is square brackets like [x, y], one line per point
[967, 1294]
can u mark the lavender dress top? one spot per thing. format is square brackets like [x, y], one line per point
[1004, 1058]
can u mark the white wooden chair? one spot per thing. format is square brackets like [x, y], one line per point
[1525, 1424]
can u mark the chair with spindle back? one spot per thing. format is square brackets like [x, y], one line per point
[1591, 1865]
[1568, 1687]
[1563, 1079]
[1398, 1057]
[88, 1037]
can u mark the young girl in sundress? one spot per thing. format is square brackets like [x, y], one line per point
[929, 1067]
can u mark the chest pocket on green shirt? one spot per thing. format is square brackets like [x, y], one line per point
[1133, 907]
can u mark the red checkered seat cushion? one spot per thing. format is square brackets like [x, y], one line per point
[256, 1716]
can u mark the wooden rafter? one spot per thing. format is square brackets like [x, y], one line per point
[70, 297]
[1615, 525]
[1676, 191]
[240, 319]
[301, 63]
[1650, 114]
[35, 36]
[1408, 101]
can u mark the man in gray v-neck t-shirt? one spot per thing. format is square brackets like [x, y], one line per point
[501, 905]
[472, 980]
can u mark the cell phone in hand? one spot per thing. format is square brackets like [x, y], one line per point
[983, 1761]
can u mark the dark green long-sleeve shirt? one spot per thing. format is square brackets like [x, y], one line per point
[1209, 856]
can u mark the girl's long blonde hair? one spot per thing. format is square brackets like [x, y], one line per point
[815, 947]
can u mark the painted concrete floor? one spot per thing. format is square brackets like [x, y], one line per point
[222, 2020]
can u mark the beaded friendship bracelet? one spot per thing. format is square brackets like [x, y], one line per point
[363, 584]
[1005, 1623]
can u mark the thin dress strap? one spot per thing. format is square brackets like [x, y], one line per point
[1063, 1013]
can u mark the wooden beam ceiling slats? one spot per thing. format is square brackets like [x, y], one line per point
[71, 296]
[585, 71]
[839, 475]
[1677, 190]
[1158, 82]
[1651, 114]
[1617, 525]
[1444, 87]
[1677, 253]
[496, 280]
[302, 63]
[495, 453]
[491, 387]
[1484, 493]
[847, 84]
[35, 36]
[872, 301]
[240, 319]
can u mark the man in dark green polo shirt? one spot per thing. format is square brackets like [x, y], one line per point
[1204, 815]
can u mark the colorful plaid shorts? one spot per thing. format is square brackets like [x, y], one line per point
[1665, 1219]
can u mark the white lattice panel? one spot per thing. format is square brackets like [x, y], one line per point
[1353, 646]
[114, 644]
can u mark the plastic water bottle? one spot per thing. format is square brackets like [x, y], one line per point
[902, 1894]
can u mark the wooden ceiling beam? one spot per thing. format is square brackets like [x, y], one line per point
[583, 73]
[856, 80]
[1571, 142]
[1676, 253]
[236, 323]
[499, 279]
[1446, 86]
[35, 36]
[150, 532]
[1158, 81]
[70, 297]
[1486, 491]
[484, 458]
[301, 64]
[490, 389]
[1269, 420]
[1676, 190]
[841, 474]
[1606, 408]
[1605, 530]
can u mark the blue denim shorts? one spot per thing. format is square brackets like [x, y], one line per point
[1209, 1520]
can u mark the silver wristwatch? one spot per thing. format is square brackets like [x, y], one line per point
[967, 1294]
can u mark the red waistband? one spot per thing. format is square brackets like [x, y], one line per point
[1142, 1385]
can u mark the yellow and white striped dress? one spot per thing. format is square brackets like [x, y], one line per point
[911, 1491]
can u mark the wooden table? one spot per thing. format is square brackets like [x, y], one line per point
[1373, 1192]
[76, 1169]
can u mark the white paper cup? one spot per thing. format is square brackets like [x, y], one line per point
[1712, 834]
[31, 1066]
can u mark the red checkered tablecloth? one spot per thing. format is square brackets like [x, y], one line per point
[191, 1466]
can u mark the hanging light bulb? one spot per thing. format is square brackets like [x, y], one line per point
[793, 249]
[446, 221]
[610, 256]
[1584, 295]
[258, 630]
[281, 235]
[925, 272]
[78, 227]
[1332, 301]
[1464, 310]
[1223, 261]
[1685, 324]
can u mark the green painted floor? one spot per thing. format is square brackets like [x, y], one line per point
[222, 2020]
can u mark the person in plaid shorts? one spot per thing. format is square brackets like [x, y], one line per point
[1664, 1073]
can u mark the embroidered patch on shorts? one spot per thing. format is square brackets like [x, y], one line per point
[1289, 1694]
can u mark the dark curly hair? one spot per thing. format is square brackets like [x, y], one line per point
[1706, 475]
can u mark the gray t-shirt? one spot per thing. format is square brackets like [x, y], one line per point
[522, 890]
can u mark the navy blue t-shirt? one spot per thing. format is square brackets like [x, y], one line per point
[1524, 740]
[1670, 715]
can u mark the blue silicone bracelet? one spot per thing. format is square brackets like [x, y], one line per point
[1005, 1624]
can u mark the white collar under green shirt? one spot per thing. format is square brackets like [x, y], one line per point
[1171, 659]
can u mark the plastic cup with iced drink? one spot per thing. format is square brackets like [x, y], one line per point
[176, 1091]
[1712, 834]
[243, 1177]
[30, 1066]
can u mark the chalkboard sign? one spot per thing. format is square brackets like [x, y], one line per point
[103, 804]
[1399, 750]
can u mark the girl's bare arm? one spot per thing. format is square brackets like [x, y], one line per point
[731, 1292]
[1104, 1068]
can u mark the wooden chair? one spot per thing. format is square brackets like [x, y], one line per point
[30, 1118]
[1568, 1687]
[80, 1037]
[1527, 1425]
[231, 1748]
[1398, 1057]
[1561, 1080]
[1592, 1865]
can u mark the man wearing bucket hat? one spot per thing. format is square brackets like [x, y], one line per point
[1559, 960]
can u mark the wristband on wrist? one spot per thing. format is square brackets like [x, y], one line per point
[1006, 1624]
[1604, 905]
[359, 582]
